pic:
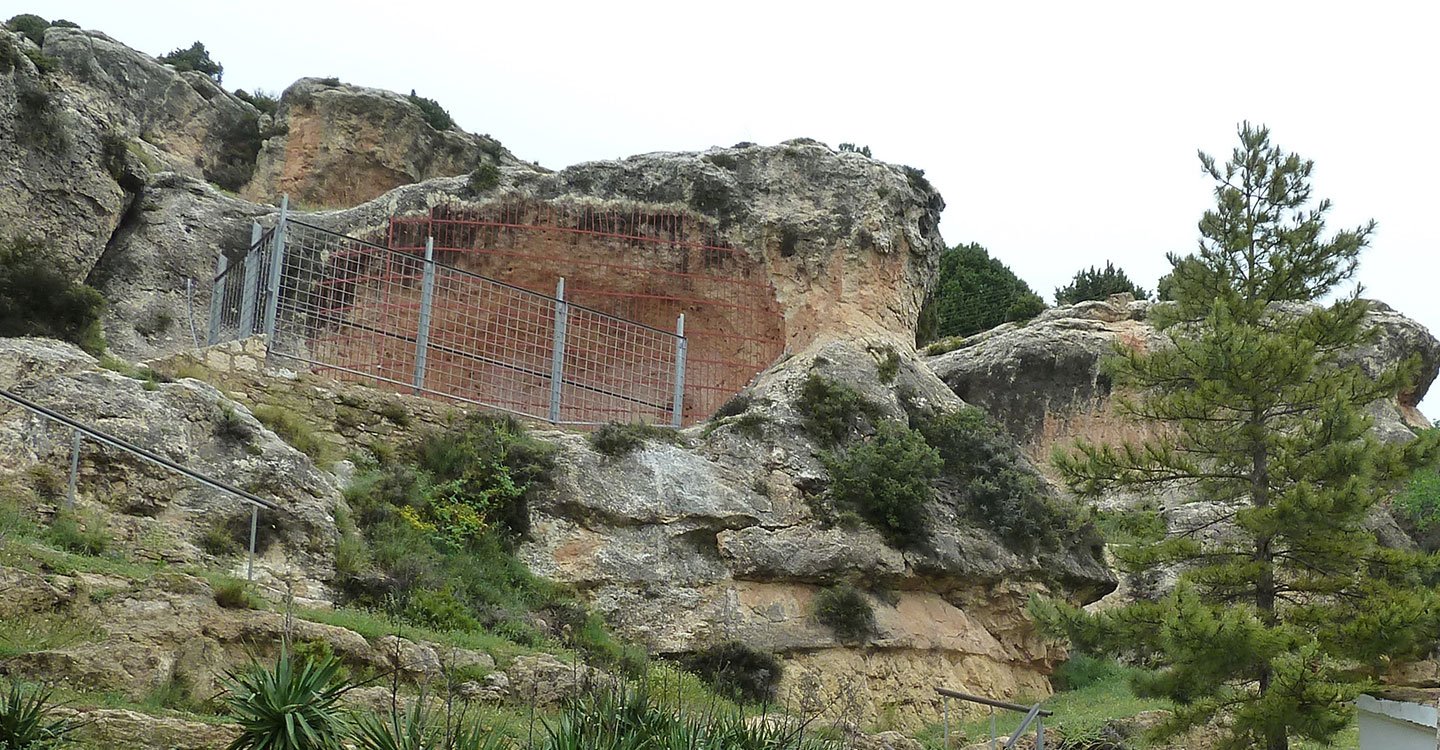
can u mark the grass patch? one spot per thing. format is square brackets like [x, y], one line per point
[72, 533]
[616, 439]
[293, 429]
[889, 366]
[29, 632]
[234, 593]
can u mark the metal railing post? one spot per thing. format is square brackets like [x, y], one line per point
[945, 700]
[1039, 734]
[74, 470]
[277, 258]
[254, 522]
[678, 404]
[557, 351]
[422, 329]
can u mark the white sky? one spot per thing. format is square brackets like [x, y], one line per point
[1062, 134]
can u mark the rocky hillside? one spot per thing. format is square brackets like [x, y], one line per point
[729, 532]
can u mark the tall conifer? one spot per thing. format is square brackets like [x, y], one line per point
[1276, 624]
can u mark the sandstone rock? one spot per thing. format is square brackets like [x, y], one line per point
[118, 727]
[339, 145]
[543, 680]
[422, 662]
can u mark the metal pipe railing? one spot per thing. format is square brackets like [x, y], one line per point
[1033, 714]
[80, 429]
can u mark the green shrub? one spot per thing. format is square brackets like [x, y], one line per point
[853, 149]
[484, 179]
[240, 142]
[751, 424]
[30, 26]
[490, 465]
[832, 409]
[27, 718]
[1419, 501]
[37, 299]
[231, 426]
[737, 670]
[984, 463]
[44, 64]
[217, 539]
[1081, 671]
[67, 532]
[61, 23]
[887, 480]
[435, 115]
[265, 102]
[291, 706]
[616, 439]
[846, 611]
[293, 429]
[234, 593]
[634, 718]
[395, 413]
[734, 406]
[195, 58]
[330, 81]
[1096, 284]
[438, 609]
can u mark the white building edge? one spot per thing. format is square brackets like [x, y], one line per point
[1398, 720]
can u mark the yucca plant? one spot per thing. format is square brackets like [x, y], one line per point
[27, 719]
[401, 730]
[630, 719]
[290, 707]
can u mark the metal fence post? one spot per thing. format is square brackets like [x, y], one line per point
[277, 259]
[678, 405]
[254, 522]
[557, 351]
[249, 291]
[74, 470]
[422, 331]
[1040, 734]
[217, 297]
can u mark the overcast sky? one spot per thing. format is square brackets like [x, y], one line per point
[1061, 134]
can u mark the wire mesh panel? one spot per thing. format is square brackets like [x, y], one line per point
[359, 311]
[633, 262]
[234, 303]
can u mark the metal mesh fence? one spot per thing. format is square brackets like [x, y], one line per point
[356, 310]
[634, 262]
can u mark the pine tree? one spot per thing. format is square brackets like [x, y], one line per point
[974, 292]
[1095, 283]
[1275, 625]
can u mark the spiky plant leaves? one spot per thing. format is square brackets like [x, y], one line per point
[292, 706]
[27, 721]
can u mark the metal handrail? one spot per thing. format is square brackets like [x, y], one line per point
[80, 428]
[1033, 714]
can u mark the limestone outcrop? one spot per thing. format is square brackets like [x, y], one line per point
[685, 546]
[337, 145]
[1043, 382]
[186, 421]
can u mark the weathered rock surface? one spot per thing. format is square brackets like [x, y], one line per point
[186, 422]
[338, 145]
[1043, 382]
[681, 547]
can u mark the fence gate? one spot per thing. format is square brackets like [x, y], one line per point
[400, 320]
